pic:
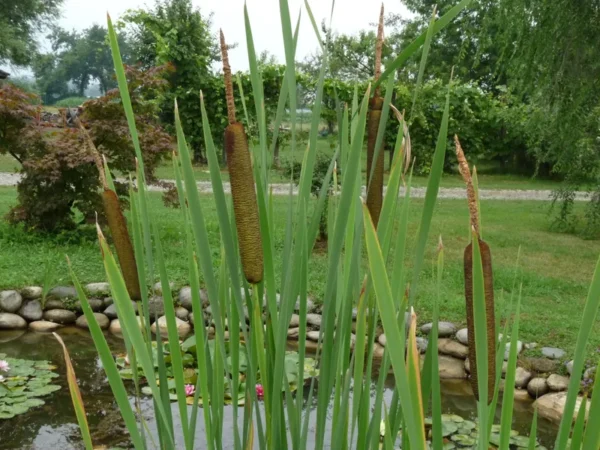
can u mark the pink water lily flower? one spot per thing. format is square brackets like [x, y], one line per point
[260, 391]
[190, 389]
[4, 366]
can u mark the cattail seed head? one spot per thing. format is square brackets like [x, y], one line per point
[245, 206]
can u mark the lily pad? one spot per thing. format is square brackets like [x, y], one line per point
[520, 441]
[24, 382]
[463, 440]
[448, 428]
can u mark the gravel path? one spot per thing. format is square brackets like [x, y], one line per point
[11, 179]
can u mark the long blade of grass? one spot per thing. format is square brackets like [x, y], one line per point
[126, 100]
[587, 325]
[109, 365]
[436, 396]
[130, 325]
[423, 62]
[591, 438]
[479, 316]
[386, 306]
[577, 436]
[433, 186]
[509, 391]
[76, 397]
[533, 431]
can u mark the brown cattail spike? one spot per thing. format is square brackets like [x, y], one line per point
[463, 168]
[245, 206]
[118, 228]
[488, 284]
[375, 183]
[379, 50]
[228, 82]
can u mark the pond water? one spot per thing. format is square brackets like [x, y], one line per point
[54, 425]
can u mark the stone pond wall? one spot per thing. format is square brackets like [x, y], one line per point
[544, 378]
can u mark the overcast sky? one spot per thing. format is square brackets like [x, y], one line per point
[349, 16]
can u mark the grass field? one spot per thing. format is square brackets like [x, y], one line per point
[487, 180]
[555, 268]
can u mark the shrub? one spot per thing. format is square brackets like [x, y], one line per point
[71, 102]
[60, 184]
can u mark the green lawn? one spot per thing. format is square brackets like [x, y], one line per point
[487, 180]
[556, 268]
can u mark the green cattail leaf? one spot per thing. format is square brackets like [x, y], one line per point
[433, 186]
[386, 307]
[591, 438]
[533, 431]
[587, 325]
[577, 436]
[509, 391]
[426, 46]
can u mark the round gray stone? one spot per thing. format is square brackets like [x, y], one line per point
[185, 297]
[445, 329]
[558, 383]
[462, 336]
[452, 348]
[294, 321]
[570, 367]
[183, 328]
[181, 313]
[156, 306]
[422, 344]
[553, 352]
[96, 304]
[98, 289]
[63, 292]
[10, 301]
[507, 349]
[522, 377]
[53, 303]
[31, 292]
[115, 326]
[158, 290]
[310, 305]
[9, 321]
[382, 340]
[108, 301]
[537, 387]
[102, 320]
[314, 320]
[62, 316]
[111, 310]
[43, 326]
[293, 333]
[31, 310]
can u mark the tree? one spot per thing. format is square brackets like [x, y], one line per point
[77, 59]
[469, 44]
[19, 22]
[59, 171]
[176, 33]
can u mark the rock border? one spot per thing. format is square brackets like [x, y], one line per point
[536, 378]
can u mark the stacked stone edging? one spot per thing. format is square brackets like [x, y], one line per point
[537, 378]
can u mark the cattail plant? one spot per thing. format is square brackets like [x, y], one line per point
[486, 260]
[375, 174]
[242, 184]
[116, 221]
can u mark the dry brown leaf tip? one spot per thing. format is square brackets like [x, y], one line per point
[465, 172]
[379, 48]
[227, 77]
